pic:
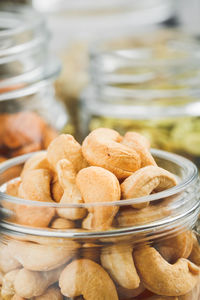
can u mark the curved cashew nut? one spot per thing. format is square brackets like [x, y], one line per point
[141, 145]
[30, 284]
[37, 161]
[146, 180]
[8, 284]
[99, 185]
[162, 278]
[66, 147]
[102, 148]
[130, 216]
[87, 278]
[52, 293]
[195, 254]
[67, 180]
[37, 257]
[176, 247]
[35, 186]
[7, 261]
[118, 261]
[60, 223]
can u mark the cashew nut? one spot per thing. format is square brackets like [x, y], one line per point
[37, 161]
[118, 261]
[102, 148]
[130, 216]
[52, 293]
[163, 298]
[60, 223]
[35, 186]
[87, 278]
[195, 254]
[88, 221]
[37, 257]
[141, 145]
[12, 187]
[67, 180]
[146, 180]
[91, 251]
[8, 284]
[66, 147]
[29, 284]
[99, 185]
[176, 247]
[7, 261]
[162, 278]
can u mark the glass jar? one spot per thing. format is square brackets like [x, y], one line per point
[151, 253]
[30, 116]
[151, 86]
[74, 25]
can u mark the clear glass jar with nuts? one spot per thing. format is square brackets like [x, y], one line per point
[30, 116]
[104, 220]
[149, 84]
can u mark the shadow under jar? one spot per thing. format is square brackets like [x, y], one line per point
[30, 116]
[150, 253]
[148, 84]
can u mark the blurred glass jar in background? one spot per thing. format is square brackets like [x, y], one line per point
[149, 85]
[76, 24]
[30, 116]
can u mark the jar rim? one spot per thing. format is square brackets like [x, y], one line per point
[183, 215]
[188, 166]
[40, 78]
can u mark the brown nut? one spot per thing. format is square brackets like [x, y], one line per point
[30, 284]
[99, 185]
[162, 278]
[87, 278]
[56, 190]
[60, 223]
[176, 247]
[37, 161]
[52, 293]
[36, 257]
[195, 254]
[163, 298]
[67, 179]
[35, 186]
[146, 180]
[13, 187]
[141, 145]
[66, 147]
[102, 148]
[118, 261]
[22, 129]
[131, 216]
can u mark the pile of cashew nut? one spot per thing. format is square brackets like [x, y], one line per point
[106, 168]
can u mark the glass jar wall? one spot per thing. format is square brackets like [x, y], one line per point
[74, 25]
[150, 86]
[72, 260]
[30, 116]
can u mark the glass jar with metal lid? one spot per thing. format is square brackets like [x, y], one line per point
[30, 116]
[150, 86]
[150, 253]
